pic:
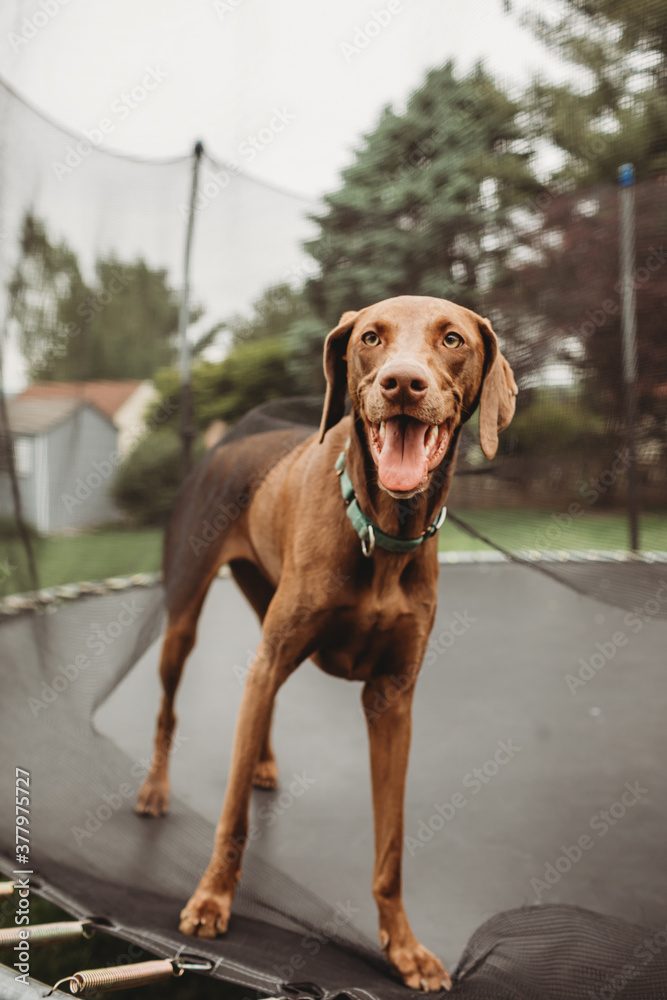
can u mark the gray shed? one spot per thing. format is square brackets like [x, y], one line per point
[65, 451]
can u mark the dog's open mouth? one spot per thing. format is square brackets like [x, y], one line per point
[405, 450]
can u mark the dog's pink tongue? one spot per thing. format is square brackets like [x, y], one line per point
[403, 465]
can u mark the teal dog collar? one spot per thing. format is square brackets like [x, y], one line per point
[369, 533]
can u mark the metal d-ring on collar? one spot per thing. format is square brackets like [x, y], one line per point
[369, 533]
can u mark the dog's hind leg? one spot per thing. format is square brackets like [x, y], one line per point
[200, 537]
[153, 798]
[265, 774]
[259, 593]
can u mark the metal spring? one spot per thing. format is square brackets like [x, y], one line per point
[120, 977]
[6, 889]
[40, 934]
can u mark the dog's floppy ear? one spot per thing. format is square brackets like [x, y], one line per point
[497, 400]
[335, 370]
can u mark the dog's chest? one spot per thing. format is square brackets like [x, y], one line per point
[371, 636]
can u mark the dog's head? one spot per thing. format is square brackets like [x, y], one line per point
[416, 368]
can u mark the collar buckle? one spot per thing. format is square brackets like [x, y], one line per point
[437, 524]
[368, 542]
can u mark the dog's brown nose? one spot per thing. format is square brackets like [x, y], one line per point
[405, 382]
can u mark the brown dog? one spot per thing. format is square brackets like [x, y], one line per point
[416, 368]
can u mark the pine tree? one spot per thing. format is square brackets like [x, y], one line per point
[429, 205]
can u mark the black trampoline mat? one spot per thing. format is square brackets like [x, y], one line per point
[512, 773]
[500, 684]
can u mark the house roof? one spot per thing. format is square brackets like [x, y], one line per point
[34, 416]
[106, 396]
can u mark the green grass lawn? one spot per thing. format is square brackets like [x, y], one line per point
[538, 529]
[93, 555]
[114, 551]
[100, 554]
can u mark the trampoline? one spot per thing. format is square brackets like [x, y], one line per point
[501, 791]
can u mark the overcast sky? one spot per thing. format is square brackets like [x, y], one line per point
[310, 76]
[228, 63]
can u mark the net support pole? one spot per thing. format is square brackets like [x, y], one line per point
[9, 460]
[626, 179]
[187, 423]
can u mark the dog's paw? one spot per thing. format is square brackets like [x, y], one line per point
[417, 967]
[153, 798]
[265, 774]
[206, 914]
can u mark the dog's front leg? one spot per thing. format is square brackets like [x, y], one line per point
[207, 912]
[388, 706]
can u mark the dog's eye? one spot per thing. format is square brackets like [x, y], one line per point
[371, 339]
[453, 340]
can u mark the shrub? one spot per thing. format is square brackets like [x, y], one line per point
[148, 481]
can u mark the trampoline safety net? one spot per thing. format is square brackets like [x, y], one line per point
[556, 549]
